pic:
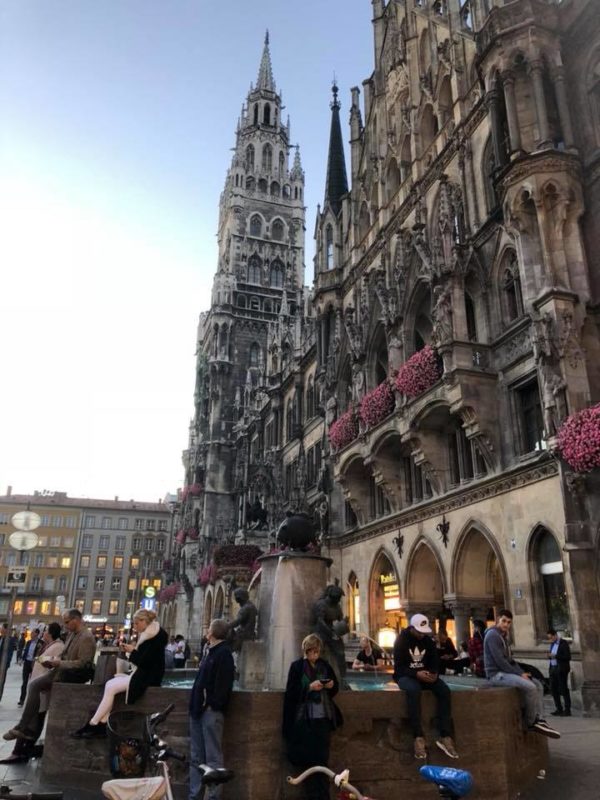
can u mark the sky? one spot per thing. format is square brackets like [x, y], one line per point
[117, 119]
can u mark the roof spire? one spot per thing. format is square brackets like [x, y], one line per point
[265, 71]
[336, 184]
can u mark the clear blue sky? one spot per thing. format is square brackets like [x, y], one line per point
[116, 123]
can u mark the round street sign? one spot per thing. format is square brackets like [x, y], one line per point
[26, 520]
[149, 591]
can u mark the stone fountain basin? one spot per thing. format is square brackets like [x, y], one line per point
[375, 742]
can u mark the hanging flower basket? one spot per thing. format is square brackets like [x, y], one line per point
[236, 555]
[376, 405]
[344, 430]
[180, 536]
[195, 489]
[579, 439]
[169, 593]
[419, 373]
[192, 534]
[207, 574]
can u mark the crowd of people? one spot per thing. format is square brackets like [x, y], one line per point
[310, 713]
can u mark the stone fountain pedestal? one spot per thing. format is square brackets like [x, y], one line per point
[291, 583]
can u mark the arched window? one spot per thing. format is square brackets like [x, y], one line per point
[262, 186]
[466, 17]
[277, 230]
[241, 301]
[471, 318]
[254, 304]
[329, 247]
[255, 225]
[512, 305]
[277, 274]
[267, 114]
[254, 269]
[364, 221]
[310, 399]
[550, 594]
[267, 158]
[445, 100]
[254, 354]
[393, 179]
[424, 52]
[250, 158]
[267, 306]
[281, 164]
[286, 191]
[429, 129]
[405, 159]
[256, 114]
[275, 189]
[289, 420]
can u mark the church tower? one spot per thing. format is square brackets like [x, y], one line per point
[260, 274]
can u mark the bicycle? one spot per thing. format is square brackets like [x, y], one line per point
[452, 783]
[157, 787]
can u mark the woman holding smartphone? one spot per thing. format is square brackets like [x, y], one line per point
[310, 714]
[147, 660]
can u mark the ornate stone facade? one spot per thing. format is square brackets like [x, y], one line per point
[469, 226]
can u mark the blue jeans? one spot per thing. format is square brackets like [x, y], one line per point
[531, 693]
[413, 688]
[206, 735]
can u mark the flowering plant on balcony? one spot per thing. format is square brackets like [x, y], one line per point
[184, 493]
[419, 373]
[344, 430]
[192, 534]
[579, 439]
[376, 405]
[207, 574]
[169, 593]
[180, 536]
[236, 555]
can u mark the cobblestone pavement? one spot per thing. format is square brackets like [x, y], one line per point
[572, 774]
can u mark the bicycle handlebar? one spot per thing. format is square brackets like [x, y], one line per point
[6, 792]
[339, 780]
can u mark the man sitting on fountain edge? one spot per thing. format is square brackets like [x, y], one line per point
[416, 669]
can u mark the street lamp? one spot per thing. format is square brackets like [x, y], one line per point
[24, 538]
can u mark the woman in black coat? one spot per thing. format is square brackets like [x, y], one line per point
[147, 656]
[310, 714]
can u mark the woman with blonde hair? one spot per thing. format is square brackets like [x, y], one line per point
[309, 714]
[147, 660]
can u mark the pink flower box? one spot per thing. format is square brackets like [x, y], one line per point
[207, 574]
[195, 489]
[376, 405]
[344, 430]
[419, 373]
[579, 439]
[169, 593]
[180, 537]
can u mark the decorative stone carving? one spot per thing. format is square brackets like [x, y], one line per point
[442, 315]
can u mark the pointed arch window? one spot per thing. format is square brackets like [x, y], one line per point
[364, 221]
[267, 158]
[289, 420]
[277, 274]
[275, 189]
[281, 164]
[405, 159]
[550, 594]
[393, 179]
[250, 158]
[277, 230]
[256, 114]
[254, 269]
[471, 318]
[310, 399]
[254, 354]
[329, 247]
[241, 301]
[267, 114]
[255, 225]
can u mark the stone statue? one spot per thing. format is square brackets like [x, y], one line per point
[330, 625]
[442, 315]
[243, 626]
[553, 395]
[256, 516]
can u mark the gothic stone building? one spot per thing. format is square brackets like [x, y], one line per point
[411, 399]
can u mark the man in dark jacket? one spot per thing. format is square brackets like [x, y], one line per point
[560, 666]
[208, 701]
[416, 669]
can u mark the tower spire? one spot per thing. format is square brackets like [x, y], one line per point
[336, 184]
[265, 71]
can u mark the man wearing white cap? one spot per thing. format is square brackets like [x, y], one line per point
[415, 670]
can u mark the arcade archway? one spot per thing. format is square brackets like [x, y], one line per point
[386, 614]
[425, 584]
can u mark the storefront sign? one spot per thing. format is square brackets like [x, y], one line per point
[90, 619]
[389, 578]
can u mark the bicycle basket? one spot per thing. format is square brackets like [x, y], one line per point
[129, 745]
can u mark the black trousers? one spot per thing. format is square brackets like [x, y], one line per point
[27, 670]
[559, 685]
[309, 747]
[413, 688]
